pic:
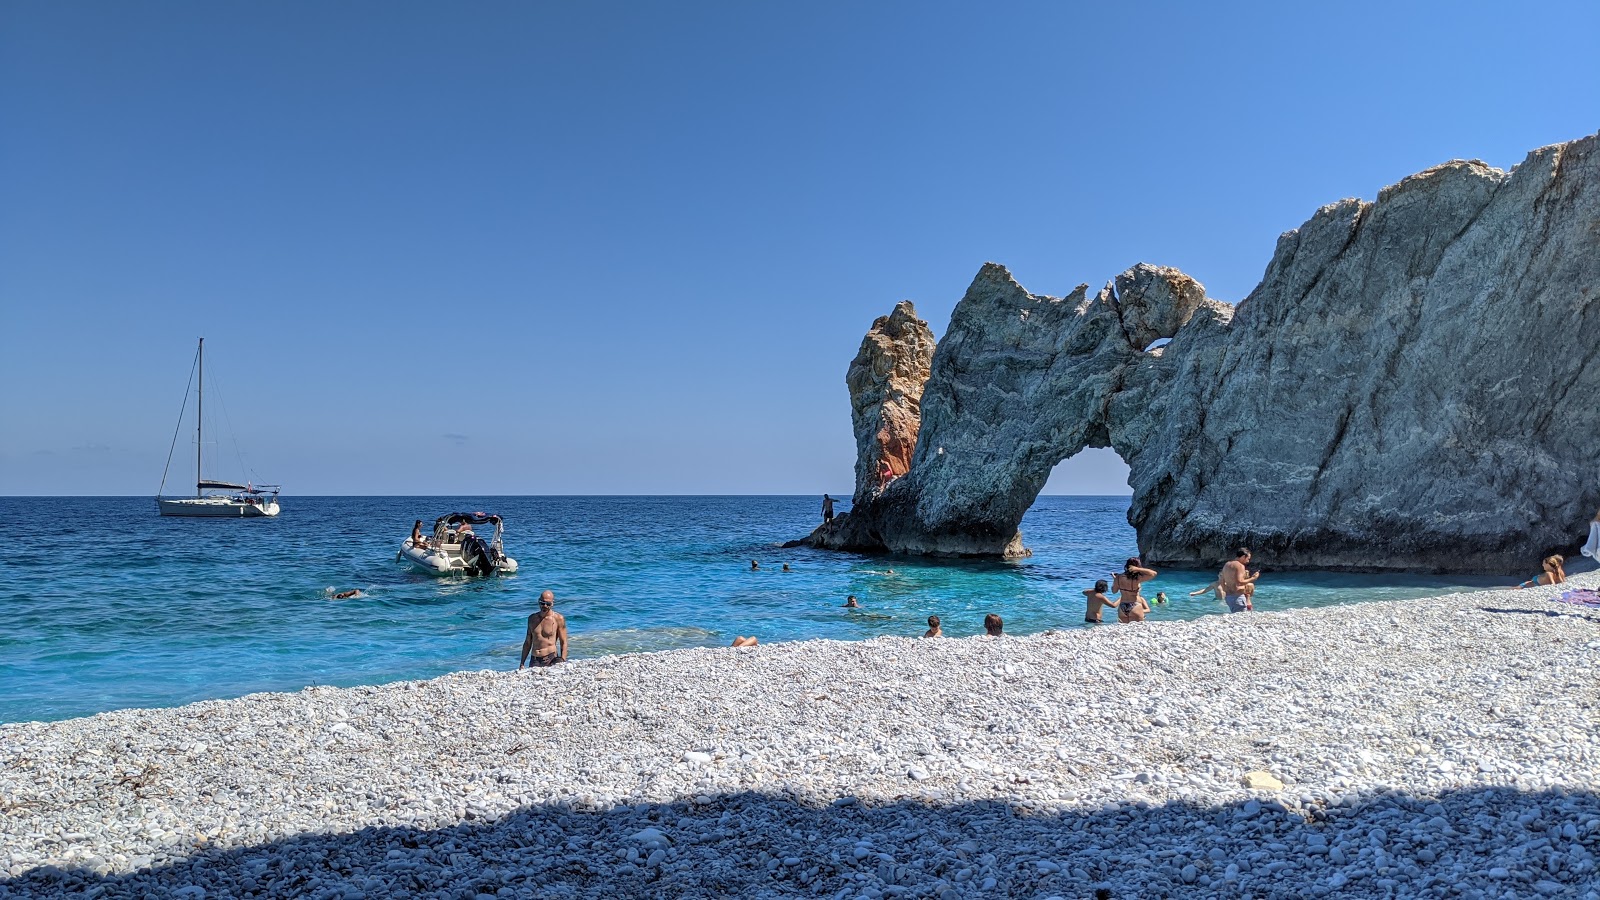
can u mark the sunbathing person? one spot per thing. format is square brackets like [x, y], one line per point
[1553, 573]
[742, 641]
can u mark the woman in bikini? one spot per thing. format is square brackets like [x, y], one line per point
[1552, 574]
[1132, 607]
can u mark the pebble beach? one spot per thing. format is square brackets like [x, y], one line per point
[1445, 747]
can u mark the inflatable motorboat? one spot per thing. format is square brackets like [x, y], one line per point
[455, 549]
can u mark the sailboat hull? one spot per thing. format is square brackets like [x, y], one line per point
[217, 507]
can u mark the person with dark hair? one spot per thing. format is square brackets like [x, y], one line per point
[992, 625]
[827, 509]
[1238, 582]
[850, 602]
[755, 566]
[934, 629]
[1098, 601]
[417, 540]
[1128, 581]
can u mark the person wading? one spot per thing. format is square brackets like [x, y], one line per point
[547, 635]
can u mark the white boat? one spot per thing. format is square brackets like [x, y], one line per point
[242, 501]
[455, 550]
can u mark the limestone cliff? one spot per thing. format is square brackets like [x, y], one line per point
[1413, 385]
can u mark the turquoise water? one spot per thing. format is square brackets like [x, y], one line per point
[106, 605]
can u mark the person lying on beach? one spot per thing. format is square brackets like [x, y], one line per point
[1098, 601]
[933, 628]
[1132, 610]
[1233, 579]
[1552, 574]
[546, 643]
[992, 625]
[741, 641]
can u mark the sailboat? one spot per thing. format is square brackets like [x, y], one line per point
[241, 500]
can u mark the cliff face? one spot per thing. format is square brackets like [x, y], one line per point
[885, 381]
[1413, 385]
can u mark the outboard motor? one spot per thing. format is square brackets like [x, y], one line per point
[475, 551]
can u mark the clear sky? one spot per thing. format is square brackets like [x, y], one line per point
[631, 248]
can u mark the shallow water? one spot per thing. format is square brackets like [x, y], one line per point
[106, 605]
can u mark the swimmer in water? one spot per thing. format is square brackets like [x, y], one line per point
[786, 567]
[850, 602]
[934, 629]
[755, 566]
[1161, 598]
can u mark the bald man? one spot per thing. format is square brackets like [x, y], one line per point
[547, 635]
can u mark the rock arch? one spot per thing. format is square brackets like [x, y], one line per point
[1413, 385]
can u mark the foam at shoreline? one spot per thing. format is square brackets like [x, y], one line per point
[1448, 742]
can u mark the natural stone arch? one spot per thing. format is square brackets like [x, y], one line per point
[1411, 386]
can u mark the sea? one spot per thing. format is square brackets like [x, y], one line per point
[105, 605]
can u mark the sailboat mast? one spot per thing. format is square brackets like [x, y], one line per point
[199, 416]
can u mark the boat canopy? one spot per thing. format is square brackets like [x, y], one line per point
[473, 518]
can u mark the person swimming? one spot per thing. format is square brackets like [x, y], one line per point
[755, 566]
[934, 629]
[850, 602]
[992, 625]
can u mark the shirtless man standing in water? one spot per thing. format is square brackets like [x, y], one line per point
[1235, 578]
[546, 630]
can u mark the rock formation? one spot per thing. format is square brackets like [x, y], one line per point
[1412, 386]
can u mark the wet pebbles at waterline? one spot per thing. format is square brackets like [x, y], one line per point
[1445, 748]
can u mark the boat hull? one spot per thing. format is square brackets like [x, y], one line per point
[216, 508]
[436, 562]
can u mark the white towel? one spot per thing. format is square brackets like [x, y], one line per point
[1592, 549]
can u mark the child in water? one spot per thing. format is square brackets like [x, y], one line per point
[1098, 601]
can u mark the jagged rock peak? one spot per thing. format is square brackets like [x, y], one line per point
[885, 381]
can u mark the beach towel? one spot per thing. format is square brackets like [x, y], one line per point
[1581, 597]
[1592, 549]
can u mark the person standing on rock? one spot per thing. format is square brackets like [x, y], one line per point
[546, 643]
[827, 509]
[1098, 601]
[1235, 578]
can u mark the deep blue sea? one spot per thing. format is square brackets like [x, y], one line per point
[105, 605]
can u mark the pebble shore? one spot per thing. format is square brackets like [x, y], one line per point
[1440, 748]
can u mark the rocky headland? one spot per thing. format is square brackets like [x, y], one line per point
[1412, 386]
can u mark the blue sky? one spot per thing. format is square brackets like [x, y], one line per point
[631, 248]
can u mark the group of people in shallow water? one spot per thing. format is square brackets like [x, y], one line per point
[545, 643]
[1235, 587]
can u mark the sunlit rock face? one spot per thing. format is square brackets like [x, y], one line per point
[1412, 386]
[886, 380]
